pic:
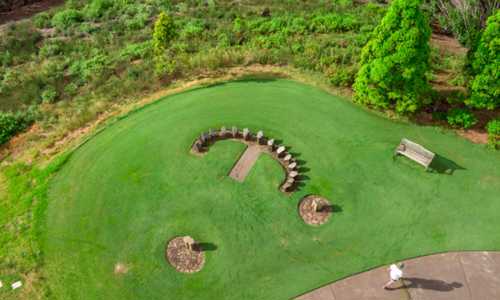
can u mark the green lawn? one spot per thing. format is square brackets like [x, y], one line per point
[134, 186]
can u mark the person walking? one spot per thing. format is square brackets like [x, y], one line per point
[395, 274]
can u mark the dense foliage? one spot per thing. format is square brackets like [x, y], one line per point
[485, 86]
[66, 18]
[82, 58]
[395, 60]
[11, 124]
[458, 117]
[493, 129]
[163, 33]
[77, 61]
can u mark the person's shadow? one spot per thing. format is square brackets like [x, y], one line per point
[428, 284]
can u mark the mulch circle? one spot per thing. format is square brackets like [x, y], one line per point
[182, 258]
[315, 216]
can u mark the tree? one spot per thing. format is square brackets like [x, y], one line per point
[485, 85]
[163, 33]
[395, 60]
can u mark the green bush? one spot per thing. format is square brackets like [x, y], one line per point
[139, 21]
[298, 25]
[42, 20]
[493, 129]
[333, 23]
[51, 48]
[343, 77]
[135, 51]
[458, 117]
[49, 95]
[192, 30]
[164, 66]
[395, 60]
[18, 43]
[6, 58]
[90, 69]
[71, 89]
[163, 33]
[11, 124]
[485, 86]
[97, 8]
[66, 18]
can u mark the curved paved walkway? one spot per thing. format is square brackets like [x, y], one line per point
[453, 275]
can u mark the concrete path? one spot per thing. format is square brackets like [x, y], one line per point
[245, 163]
[450, 276]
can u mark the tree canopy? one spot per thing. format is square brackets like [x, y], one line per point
[485, 85]
[395, 60]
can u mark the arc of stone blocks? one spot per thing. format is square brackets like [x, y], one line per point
[202, 144]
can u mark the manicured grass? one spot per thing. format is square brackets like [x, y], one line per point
[134, 186]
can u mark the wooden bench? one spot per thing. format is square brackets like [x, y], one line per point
[415, 152]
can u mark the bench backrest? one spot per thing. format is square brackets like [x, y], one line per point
[416, 152]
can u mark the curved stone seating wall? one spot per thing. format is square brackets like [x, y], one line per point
[267, 145]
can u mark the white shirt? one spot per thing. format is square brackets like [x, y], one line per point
[395, 272]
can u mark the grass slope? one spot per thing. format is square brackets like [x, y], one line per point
[127, 191]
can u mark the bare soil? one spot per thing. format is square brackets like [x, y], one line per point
[447, 43]
[26, 11]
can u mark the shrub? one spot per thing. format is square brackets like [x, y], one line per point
[163, 33]
[139, 21]
[6, 58]
[164, 66]
[343, 77]
[42, 20]
[71, 89]
[49, 95]
[91, 68]
[333, 23]
[65, 18]
[298, 25]
[493, 129]
[20, 41]
[50, 48]
[458, 117]
[395, 60]
[135, 51]
[97, 8]
[485, 87]
[239, 28]
[192, 29]
[11, 124]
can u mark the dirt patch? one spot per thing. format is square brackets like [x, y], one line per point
[184, 258]
[315, 210]
[441, 84]
[474, 136]
[245, 163]
[447, 43]
[26, 11]
[121, 268]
